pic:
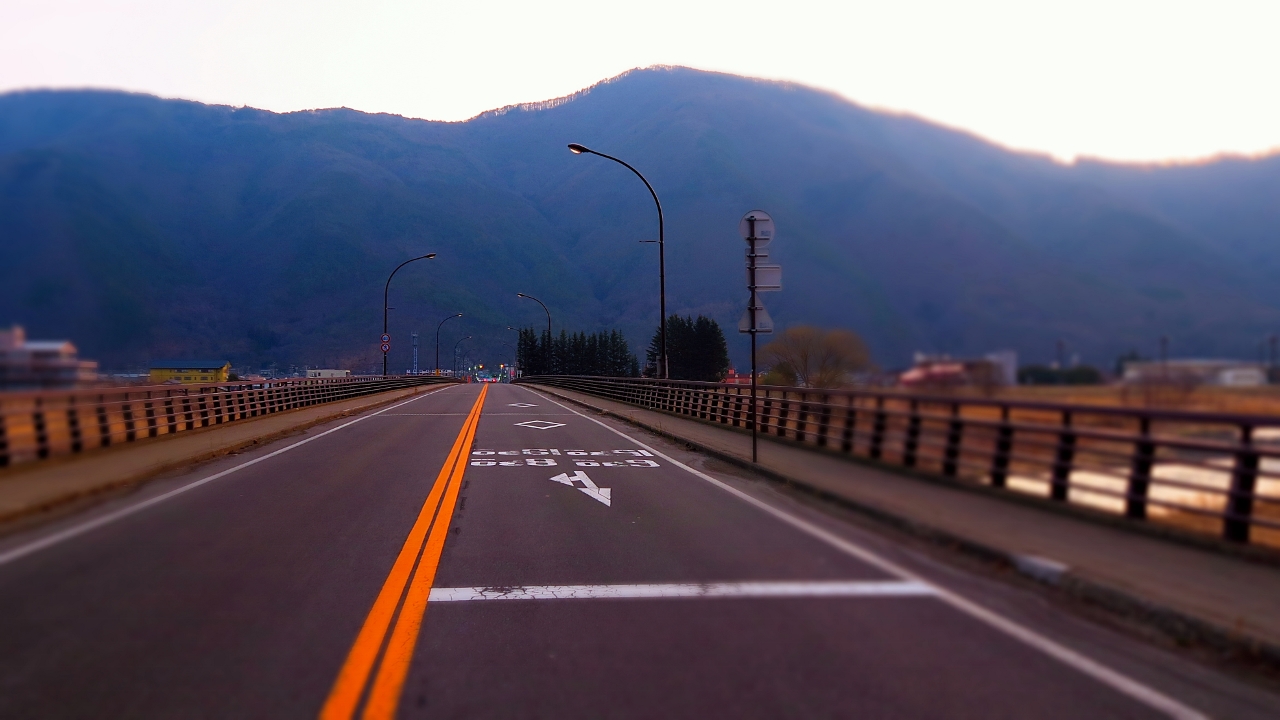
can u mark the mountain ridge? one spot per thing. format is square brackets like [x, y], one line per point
[275, 228]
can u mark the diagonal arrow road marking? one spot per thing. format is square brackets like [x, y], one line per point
[604, 495]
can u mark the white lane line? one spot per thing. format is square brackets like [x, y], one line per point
[52, 539]
[817, 589]
[426, 415]
[1112, 678]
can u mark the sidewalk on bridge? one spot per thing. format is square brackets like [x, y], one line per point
[1193, 594]
[34, 488]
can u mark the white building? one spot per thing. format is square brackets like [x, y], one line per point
[38, 364]
[1221, 373]
[328, 373]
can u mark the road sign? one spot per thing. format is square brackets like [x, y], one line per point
[763, 226]
[386, 338]
[760, 252]
[764, 323]
[768, 278]
[386, 347]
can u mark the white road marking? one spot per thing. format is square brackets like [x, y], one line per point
[819, 589]
[426, 414]
[540, 424]
[521, 405]
[95, 523]
[1116, 680]
[604, 495]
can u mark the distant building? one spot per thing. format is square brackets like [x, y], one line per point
[1221, 373]
[328, 373]
[189, 371]
[934, 371]
[35, 364]
[738, 378]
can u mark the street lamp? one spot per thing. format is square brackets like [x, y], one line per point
[386, 290]
[577, 149]
[544, 308]
[442, 322]
[455, 353]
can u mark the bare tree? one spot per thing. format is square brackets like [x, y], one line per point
[811, 357]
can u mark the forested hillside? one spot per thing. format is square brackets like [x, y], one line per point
[142, 227]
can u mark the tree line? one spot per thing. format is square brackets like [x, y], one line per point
[696, 350]
[605, 353]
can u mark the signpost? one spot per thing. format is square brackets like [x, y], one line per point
[756, 227]
[385, 344]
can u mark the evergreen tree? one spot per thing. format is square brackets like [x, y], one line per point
[696, 350]
[605, 353]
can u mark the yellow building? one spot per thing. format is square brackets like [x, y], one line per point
[190, 371]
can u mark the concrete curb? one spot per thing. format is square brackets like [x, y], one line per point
[1175, 625]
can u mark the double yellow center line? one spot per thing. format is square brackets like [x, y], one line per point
[421, 549]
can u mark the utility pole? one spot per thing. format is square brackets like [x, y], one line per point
[415, 352]
[756, 227]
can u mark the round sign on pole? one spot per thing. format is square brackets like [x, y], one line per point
[386, 338]
[386, 347]
[763, 225]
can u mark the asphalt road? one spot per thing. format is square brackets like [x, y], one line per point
[502, 555]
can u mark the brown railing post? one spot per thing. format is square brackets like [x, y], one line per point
[149, 411]
[126, 411]
[850, 424]
[1239, 511]
[73, 427]
[41, 429]
[955, 433]
[1144, 454]
[4, 441]
[824, 421]
[878, 428]
[1004, 446]
[104, 424]
[170, 415]
[912, 441]
[1060, 486]
[784, 409]
[801, 414]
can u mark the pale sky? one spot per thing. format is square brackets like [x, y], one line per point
[1129, 80]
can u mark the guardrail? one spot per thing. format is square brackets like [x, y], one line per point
[41, 424]
[1207, 472]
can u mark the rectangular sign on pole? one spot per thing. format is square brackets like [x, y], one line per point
[768, 278]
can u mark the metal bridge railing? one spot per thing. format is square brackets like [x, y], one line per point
[42, 424]
[1215, 473]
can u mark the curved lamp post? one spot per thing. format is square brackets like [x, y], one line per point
[385, 291]
[577, 149]
[442, 322]
[455, 353]
[544, 308]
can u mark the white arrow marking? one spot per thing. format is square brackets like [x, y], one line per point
[604, 495]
